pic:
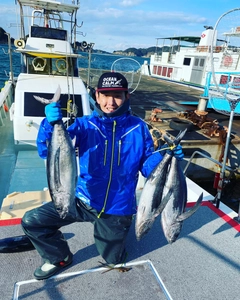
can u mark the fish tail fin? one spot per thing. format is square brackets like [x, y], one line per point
[177, 139]
[180, 136]
[57, 94]
[55, 98]
[191, 211]
[168, 140]
[42, 100]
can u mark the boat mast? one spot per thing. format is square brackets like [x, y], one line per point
[22, 34]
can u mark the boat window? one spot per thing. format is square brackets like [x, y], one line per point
[202, 60]
[38, 65]
[236, 83]
[34, 108]
[48, 33]
[196, 62]
[224, 79]
[186, 61]
[59, 66]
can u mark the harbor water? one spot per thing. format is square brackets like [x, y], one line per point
[98, 61]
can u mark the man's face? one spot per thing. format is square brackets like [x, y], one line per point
[111, 100]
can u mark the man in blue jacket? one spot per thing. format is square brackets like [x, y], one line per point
[113, 147]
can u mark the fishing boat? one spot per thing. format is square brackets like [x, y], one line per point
[47, 48]
[189, 60]
[209, 63]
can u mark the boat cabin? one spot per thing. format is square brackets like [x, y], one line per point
[48, 60]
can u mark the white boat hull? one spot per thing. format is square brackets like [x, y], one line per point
[25, 125]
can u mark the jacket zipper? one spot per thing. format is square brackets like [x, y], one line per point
[119, 151]
[105, 152]
[110, 174]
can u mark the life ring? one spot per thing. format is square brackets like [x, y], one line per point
[227, 61]
[39, 63]
[61, 65]
[179, 124]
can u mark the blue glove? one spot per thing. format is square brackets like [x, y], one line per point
[177, 152]
[53, 112]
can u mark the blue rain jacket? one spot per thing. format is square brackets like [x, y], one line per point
[112, 151]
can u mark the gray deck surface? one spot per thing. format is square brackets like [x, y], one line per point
[204, 263]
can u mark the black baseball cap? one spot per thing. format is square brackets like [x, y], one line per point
[112, 81]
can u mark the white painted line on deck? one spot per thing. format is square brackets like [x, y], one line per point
[99, 269]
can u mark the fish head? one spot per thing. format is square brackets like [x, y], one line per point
[143, 228]
[172, 231]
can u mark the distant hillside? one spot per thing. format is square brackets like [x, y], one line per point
[4, 37]
[143, 52]
[136, 52]
[128, 52]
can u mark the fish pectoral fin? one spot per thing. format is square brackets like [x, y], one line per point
[74, 142]
[191, 211]
[164, 202]
[57, 94]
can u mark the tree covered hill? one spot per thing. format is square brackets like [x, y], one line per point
[4, 37]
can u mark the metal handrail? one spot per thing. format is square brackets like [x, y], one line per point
[216, 162]
[206, 156]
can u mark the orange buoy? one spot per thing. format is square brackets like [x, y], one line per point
[5, 107]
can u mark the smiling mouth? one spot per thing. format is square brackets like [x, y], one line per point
[111, 109]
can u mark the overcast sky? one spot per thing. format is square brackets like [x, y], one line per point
[118, 25]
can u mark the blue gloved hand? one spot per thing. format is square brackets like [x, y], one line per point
[53, 112]
[177, 152]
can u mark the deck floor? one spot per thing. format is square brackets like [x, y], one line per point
[204, 263]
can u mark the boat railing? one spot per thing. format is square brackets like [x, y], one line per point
[170, 58]
[157, 57]
[216, 49]
[6, 99]
[207, 157]
[215, 162]
[228, 84]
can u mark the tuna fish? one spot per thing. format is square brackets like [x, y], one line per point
[15, 244]
[175, 191]
[61, 165]
[151, 202]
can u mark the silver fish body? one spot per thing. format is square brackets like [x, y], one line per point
[151, 202]
[62, 170]
[175, 191]
[61, 166]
